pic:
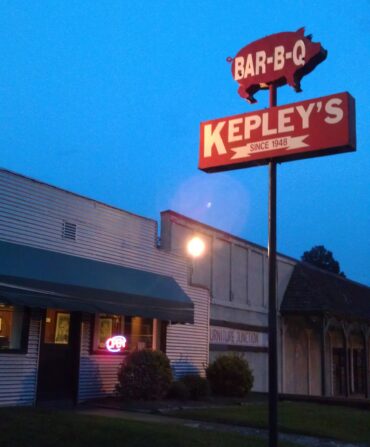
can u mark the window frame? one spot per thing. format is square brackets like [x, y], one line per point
[24, 341]
[96, 351]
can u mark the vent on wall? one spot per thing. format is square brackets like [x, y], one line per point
[69, 231]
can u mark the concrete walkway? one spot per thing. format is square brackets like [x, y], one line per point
[306, 441]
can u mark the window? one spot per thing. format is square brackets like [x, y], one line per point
[107, 326]
[137, 331]
[140, 332]
[57, 325]
[12, 328]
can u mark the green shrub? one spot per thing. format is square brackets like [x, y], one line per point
[144, 375]
[178, 390]
[230, 375]
[198, 387]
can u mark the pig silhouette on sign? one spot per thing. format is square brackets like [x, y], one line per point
[282, 58]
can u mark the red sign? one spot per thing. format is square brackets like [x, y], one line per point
[321, 126]
[279, 59]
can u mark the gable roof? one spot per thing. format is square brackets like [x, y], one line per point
[312, 290]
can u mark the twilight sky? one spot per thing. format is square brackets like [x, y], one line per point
[105, 99]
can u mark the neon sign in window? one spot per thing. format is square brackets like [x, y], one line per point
[116, 343]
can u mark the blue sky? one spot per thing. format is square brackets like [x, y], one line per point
[106, 98]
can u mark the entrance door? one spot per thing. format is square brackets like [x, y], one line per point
[59, 356]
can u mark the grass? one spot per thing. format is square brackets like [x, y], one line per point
[341, 423]
[27, 427]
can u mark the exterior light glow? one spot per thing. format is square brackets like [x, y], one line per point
[196, 247]
[116, 343]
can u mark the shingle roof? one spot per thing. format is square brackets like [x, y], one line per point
[312, 290]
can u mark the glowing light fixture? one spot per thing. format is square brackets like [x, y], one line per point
[196, 247]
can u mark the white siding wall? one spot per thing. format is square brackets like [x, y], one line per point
[18, 372]
[188, 345]
[32, 213]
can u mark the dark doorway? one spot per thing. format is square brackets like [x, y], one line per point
[59, 356]
[358, 371]
[339, 372]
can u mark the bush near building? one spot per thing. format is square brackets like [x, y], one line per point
[230, 375]
[178, 391]
[145, 375]
[197, 386]
[190, 386]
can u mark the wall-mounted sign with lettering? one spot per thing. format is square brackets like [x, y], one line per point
[237, 337]
[311, 128]
[282, 58]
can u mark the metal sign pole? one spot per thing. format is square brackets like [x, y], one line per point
[272, 353]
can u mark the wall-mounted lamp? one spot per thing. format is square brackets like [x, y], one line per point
[195, 247]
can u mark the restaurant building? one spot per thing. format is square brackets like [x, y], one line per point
[75, 273]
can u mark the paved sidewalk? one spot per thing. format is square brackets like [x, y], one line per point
[306, 441]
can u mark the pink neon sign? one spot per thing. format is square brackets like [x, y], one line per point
[116, 343]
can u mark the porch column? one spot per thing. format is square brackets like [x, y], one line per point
[366, 333]
[309, 387]
[346, 359]
[324, 329]
[283, 368]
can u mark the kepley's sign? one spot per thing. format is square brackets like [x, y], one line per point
[306, 129]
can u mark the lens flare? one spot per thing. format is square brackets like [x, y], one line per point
[221, 201]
